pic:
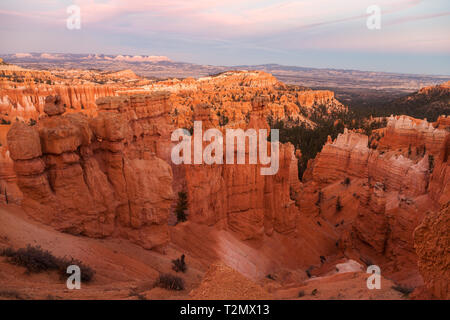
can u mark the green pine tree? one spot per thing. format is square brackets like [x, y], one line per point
[181, 207]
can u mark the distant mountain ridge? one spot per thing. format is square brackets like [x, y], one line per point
[366, 90]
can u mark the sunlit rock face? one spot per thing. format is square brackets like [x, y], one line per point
[23, 91]
[28, 102]
[66, 158]
[237, 196]
[230, 95]
[354, 201]
[407, 132]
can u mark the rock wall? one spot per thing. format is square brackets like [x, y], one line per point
[77, 174]
[27, 102]
[391, 192]
[439, 186]
[350, 156]
[9, 192]
[405, 132]
[432, 243]
[237, 197]
[312, 98]
[230, 95]
[347, 155]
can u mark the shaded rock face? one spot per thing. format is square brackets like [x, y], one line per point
[54, 106]
[9, 192]
[432, 243]
[237, 197]
[386, 193]
[404, 132]
[78, 174]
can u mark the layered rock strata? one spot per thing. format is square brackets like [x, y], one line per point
[78, 174]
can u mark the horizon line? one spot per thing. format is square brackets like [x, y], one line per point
[229, 66]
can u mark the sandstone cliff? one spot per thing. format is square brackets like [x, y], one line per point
[376, 198]
[230, 95]
[66, 158]
[241, 198]
[118, 163]
[404, 132]
[28, 102]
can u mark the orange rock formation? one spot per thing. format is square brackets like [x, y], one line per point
[431, 240]
[383, 193]
[355, 202]
[126, 192]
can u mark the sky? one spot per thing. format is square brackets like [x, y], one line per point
[414, 35]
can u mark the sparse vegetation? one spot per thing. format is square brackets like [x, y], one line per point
[87, 273]
[223, 119]
[347, 181]
[135, 293]
[429, 105]
[403, 289]
[338, 204]
[311, 140]
[170, 282]
[319, 198]
[431, 163]
[182, 206]
[11, 294]
[34, 259]
[292, 193]
[308, 271]
[6, 196]
[366, 261]
[37, 260]
[179, 265]
[270, 277]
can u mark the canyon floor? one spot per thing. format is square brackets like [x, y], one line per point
[127, 271]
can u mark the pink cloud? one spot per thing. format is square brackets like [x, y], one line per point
[418, 17]
[219, 20]
[226, 18]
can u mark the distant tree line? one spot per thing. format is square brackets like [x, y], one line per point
[311, 140]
